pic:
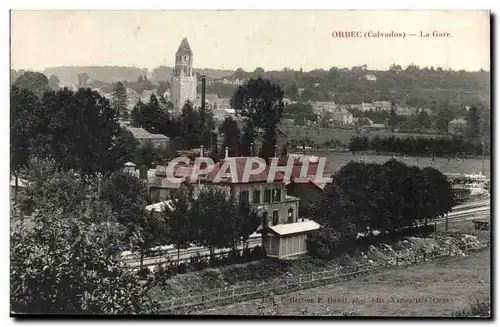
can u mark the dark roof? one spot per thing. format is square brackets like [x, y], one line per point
[184, 48]
[240, 169]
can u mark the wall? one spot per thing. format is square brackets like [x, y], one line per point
[182, 88]
[283, 206]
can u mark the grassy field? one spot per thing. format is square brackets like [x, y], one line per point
[432, 289]
[463, 166]
[320, 135]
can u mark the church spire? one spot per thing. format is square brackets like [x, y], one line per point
[184, 48]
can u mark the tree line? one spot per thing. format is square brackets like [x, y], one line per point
[368, 199]
[416, 146]
[94, 220]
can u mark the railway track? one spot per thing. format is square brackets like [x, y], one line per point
[464, 212]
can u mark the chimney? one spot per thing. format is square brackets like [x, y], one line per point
[227, 152]
[201, 150]
[275, 151]
[203, 83]
[202, 116]
[251, 149]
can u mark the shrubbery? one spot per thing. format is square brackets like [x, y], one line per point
[415, 146]
[391, 198]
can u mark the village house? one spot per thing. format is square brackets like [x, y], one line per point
[144, 136]
[376, 106]
[284, 234]
[457, 126]
[342, 117]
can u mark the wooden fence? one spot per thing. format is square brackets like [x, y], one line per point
[296, 283]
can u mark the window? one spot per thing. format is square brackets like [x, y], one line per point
[277, 195]
[290, 215]
[275, 218]
[267, 196]
[244, 196]
[265, 221]
[256, 196]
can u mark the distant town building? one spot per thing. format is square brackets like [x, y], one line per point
[342, 117]
[376, 106]
[457, 126]
[183, 82]
[144, 136]
[370, 77]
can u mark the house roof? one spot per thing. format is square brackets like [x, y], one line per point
[184, 48]
[140, 133]
[294, 228]
[159, 206]
[240, 163]
[164, 183]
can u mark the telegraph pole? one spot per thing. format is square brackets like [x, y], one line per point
[202, 109]
[482, 146]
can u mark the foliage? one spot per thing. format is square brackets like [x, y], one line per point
[261, 102]
[415, 146]
[37, 83]
[54, 82]
[231, 131]
[68, 261]
[128, 197]
[78, 130]
[478, 308]
[120, 99]
[386, 198]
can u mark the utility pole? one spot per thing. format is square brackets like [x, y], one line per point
[202, 109]
[482, 146]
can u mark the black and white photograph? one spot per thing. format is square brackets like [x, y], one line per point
[244, 163]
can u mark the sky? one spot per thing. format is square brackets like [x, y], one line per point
[249, 39]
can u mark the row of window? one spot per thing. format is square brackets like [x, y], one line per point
[270, 196]
[265, 219]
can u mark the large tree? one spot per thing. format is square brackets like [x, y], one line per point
[77, 129]
[262, 102]
[191, 127]
[473, 121]
[22, 105]
[34, 82]
[231, 131]
[67, 261]
[120, 99]
[128, 197]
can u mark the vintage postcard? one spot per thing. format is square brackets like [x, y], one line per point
[250, 163]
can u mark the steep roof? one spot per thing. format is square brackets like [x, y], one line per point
[240, 163]
[184, 48]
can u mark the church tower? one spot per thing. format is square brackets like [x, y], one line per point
[183, 83]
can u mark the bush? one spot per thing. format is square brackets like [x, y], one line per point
[477, 309]
[182, 268]
[324, 243]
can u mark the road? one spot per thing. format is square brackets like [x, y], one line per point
[468, 211]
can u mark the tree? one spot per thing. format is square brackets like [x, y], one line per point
[37, 83]
[54, 82]
[190, 125]
[77, 129]
[22, 105]
[393, 118]
[231, 132]
[211, 213]
[246, 221]
[120, 99]
[180, 222]
[292, 92]
[248, 136]
[68, 262]
[261, 102]
[424, 121]
[149, 155]
[444, 116]
[128, 197]
[473, 121]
